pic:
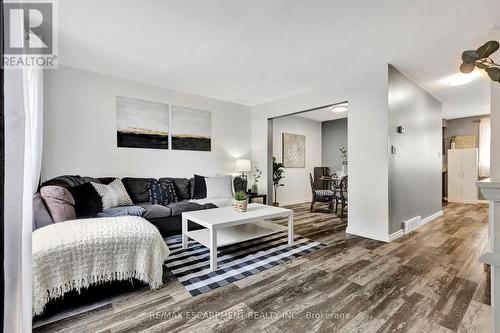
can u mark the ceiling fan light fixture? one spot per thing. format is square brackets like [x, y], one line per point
[339, 108]
[460, 79]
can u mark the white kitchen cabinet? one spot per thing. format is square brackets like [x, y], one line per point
[462, 175]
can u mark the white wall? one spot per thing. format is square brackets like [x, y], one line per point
[297, 187]
[367, 136]
[495, 132]
[80, 130]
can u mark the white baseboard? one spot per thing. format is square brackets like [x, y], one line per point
[422, 222]
[368, 234]
[470, 202]
[396, 235]
[431, 218]
[393, 236]
[295, 202]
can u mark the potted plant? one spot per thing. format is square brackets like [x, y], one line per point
[256, 176]
[343, 155]
[240, 201]
[277, 176]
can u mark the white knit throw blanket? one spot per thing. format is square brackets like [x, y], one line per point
[76, 254]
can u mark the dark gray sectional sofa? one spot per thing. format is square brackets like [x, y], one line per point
[167, 218]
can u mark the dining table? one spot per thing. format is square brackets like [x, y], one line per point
[328, 181]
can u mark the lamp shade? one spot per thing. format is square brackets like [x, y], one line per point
[243, 165]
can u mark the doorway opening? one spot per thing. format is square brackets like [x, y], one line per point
[307, 162]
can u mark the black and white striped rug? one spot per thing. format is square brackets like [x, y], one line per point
[235, 262]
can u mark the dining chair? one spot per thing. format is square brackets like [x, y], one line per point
[340, 196]
[320, 195]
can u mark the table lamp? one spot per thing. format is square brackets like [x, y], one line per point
[243, 166]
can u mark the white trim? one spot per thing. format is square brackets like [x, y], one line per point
[368, 234]
[295, 202]
[471, 202]
[431, 218]
[490, 258]
[393, 236]
[396, 235]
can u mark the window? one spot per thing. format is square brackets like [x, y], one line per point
[484, 147]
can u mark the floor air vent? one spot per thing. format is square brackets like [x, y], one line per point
[412, 224]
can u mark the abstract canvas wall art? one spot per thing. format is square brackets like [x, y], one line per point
[191, 129]
[294, 150]
[141, 124]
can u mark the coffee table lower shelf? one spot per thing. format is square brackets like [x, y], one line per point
[236, 234]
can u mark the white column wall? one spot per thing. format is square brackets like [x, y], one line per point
[366, 93]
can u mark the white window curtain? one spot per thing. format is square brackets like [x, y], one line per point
[23, 142]
[484, 147]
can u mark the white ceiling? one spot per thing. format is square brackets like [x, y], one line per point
[251, 52]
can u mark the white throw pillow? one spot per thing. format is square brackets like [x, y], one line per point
[219, 187]
[113, 195]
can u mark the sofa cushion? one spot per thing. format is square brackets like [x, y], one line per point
[184, 206]
[137, 188]
[153, 211]
[69, 181]
[41, 216]
[122, 211]
[87, 201]
[59, 203]
[182, 187]
[105, 180]
[215, 202]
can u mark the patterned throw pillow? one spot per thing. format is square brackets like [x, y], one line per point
[113, 195]
[169, 189]
[156, 193]
[163, 192]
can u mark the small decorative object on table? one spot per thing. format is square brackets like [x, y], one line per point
[256, 176]
[240, 201]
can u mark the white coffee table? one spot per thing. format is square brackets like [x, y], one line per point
[225, 226]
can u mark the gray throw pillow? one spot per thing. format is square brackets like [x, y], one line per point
[113, 195]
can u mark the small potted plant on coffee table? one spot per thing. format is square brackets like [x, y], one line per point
[240, 201]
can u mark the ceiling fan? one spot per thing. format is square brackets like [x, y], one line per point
[480, 58]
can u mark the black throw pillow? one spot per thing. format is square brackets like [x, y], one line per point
[200, 187]
[87, 201]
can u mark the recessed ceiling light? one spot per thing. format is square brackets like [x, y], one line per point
[460, 79]
[339, 108]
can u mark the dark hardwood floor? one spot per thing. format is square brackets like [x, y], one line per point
[428, 281]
